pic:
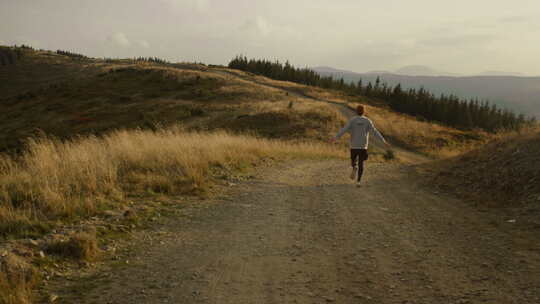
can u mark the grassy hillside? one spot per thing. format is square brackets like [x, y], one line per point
[32, 70]
[75, 96]
[90, 143]
[143, 95]
[124, 99]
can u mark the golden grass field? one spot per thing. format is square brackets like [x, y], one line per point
[54, 180]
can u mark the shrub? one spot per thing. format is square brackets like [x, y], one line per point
[80, 246]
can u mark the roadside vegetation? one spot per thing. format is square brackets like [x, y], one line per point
[55, 180]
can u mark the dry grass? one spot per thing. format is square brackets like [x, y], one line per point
[54, 180]
[294, 118]
[295, 88]
[17, 278]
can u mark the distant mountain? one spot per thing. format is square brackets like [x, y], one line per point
[325, 69]
[521, 94]
[500, 73]
[379, 72]
[421, 70]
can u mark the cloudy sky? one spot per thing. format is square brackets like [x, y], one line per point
[459, 36]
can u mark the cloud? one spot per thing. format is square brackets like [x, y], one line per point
[143, 44]
[119, 39]
[463, 40]
[516, 19]
[257, 25]
[200, 6]
[369, 54]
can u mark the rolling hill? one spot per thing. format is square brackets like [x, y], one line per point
[47, 93]
[65, 96]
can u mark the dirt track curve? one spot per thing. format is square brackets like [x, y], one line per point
[302, 233]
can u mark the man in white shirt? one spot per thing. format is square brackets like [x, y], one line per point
[359, 127]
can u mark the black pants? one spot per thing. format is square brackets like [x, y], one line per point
[359, 155]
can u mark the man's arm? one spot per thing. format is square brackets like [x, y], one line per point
[376, 133]
[342, 131]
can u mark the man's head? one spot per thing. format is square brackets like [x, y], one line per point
[360, 110]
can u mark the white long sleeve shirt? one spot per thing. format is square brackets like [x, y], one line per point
[359, 127]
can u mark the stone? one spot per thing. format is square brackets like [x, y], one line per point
[53, 298]
[110, 213]
[329, 299]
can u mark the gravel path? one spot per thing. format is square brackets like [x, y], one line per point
[300, 232]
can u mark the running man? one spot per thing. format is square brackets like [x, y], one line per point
[359, 127]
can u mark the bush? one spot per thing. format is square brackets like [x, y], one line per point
[80, 246]
[389, 155]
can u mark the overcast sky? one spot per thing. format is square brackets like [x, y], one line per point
[459, 36]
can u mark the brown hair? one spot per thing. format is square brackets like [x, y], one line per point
[360, 110]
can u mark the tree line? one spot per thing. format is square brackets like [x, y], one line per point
[71, 54]
[152, 59]
[446, 109]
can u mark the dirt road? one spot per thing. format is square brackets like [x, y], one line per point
[302, 233]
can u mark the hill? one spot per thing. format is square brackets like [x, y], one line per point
[75, 96]
[108, 106]
[99, 147]
[63, 97]
[520, 94]
[420, 70]
[504, 173]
